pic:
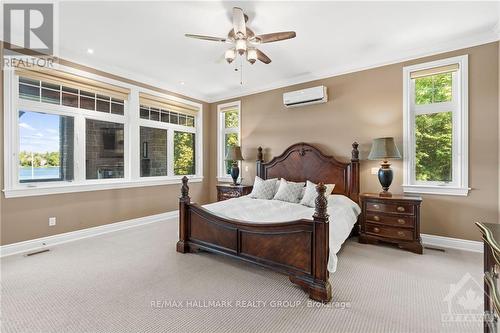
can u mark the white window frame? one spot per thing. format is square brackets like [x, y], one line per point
[131, 121]
[460, 136]
[222, 176]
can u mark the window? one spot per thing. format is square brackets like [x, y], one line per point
[229, 135]
[436, 127]
[169, 139]
[184, 151]
[153, 152]
[104, 149]
[71, 133]
[45, 147]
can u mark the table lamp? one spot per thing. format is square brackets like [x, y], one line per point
[234, 154]
[384, 149]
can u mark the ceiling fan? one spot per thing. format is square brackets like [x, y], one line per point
[244, 41]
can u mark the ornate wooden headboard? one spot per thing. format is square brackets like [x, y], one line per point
[302, 161]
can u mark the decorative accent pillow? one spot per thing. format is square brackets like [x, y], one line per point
[311, 193]
[263, 189]
[289, 191]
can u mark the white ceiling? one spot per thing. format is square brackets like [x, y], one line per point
[145, 40]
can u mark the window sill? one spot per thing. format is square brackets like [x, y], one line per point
[60, 188]
[441, 190]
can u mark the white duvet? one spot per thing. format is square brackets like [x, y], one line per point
[342, 210]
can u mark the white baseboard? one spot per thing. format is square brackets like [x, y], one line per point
[452, 243]
[44, 242]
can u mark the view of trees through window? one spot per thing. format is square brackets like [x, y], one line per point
[433, 131]
[231, 120]
[184, 153]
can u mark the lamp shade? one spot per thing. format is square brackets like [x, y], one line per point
[234, 154]
[384, 149]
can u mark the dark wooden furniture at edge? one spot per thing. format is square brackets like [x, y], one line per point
[296, 248]
[393, 219]
[491, 238]
[229, 191]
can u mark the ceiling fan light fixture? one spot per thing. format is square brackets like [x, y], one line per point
[252, 56]
[241, 46]
[230, 55]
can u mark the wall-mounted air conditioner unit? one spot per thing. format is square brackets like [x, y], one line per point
[307, 96]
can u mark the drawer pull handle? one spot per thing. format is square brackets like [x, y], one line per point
[376, 229]
[376, 218]
[401, 209]
[376, 206]
[401, 221]
[400, 233]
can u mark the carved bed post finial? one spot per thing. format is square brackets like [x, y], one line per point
[184, 188]
[259, 154]
[259, 162]
[321, 204]
[355, 152]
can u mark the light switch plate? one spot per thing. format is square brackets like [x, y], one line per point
[52, 221]
[374, 171]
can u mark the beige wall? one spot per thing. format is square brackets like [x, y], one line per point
[368, 104]
[362, 105]
[27, 218]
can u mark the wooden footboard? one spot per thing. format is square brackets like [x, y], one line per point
[296, 248]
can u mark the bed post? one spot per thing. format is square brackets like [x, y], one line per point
[354, 173]
[184, 201]
[321, 289]
[260, 160]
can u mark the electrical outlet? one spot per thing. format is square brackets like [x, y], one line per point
[246, 168]
[374, 171]
[52, 221]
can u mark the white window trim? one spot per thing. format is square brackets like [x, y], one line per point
[460, 186]
[132, 123]
[221, 131]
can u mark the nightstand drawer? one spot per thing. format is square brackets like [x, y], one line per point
[230, 194]
[397, 221]
[390, 232]
[390, 208]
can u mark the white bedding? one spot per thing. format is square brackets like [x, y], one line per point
[342, 210]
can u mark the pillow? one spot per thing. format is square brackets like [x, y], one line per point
[311, 193]
[263, 189]
[289, 191]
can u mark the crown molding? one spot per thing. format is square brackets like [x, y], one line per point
[486, 37]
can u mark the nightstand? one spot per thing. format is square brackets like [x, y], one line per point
[393, 219]
[229, 191]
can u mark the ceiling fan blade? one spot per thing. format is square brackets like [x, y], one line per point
[239, 26]
[262, 57]
[214, 39]
[275, 36]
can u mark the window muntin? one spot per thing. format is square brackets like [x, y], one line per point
[46, 145]
[166, 116]
[435, 136]
[46, 92]
[153, 154]
[184, 153]
[228, 131]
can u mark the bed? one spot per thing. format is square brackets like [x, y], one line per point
[300, 248]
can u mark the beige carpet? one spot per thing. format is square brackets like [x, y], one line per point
[128, 281]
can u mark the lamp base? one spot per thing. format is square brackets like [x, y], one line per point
[235, 172]
[385, 176]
